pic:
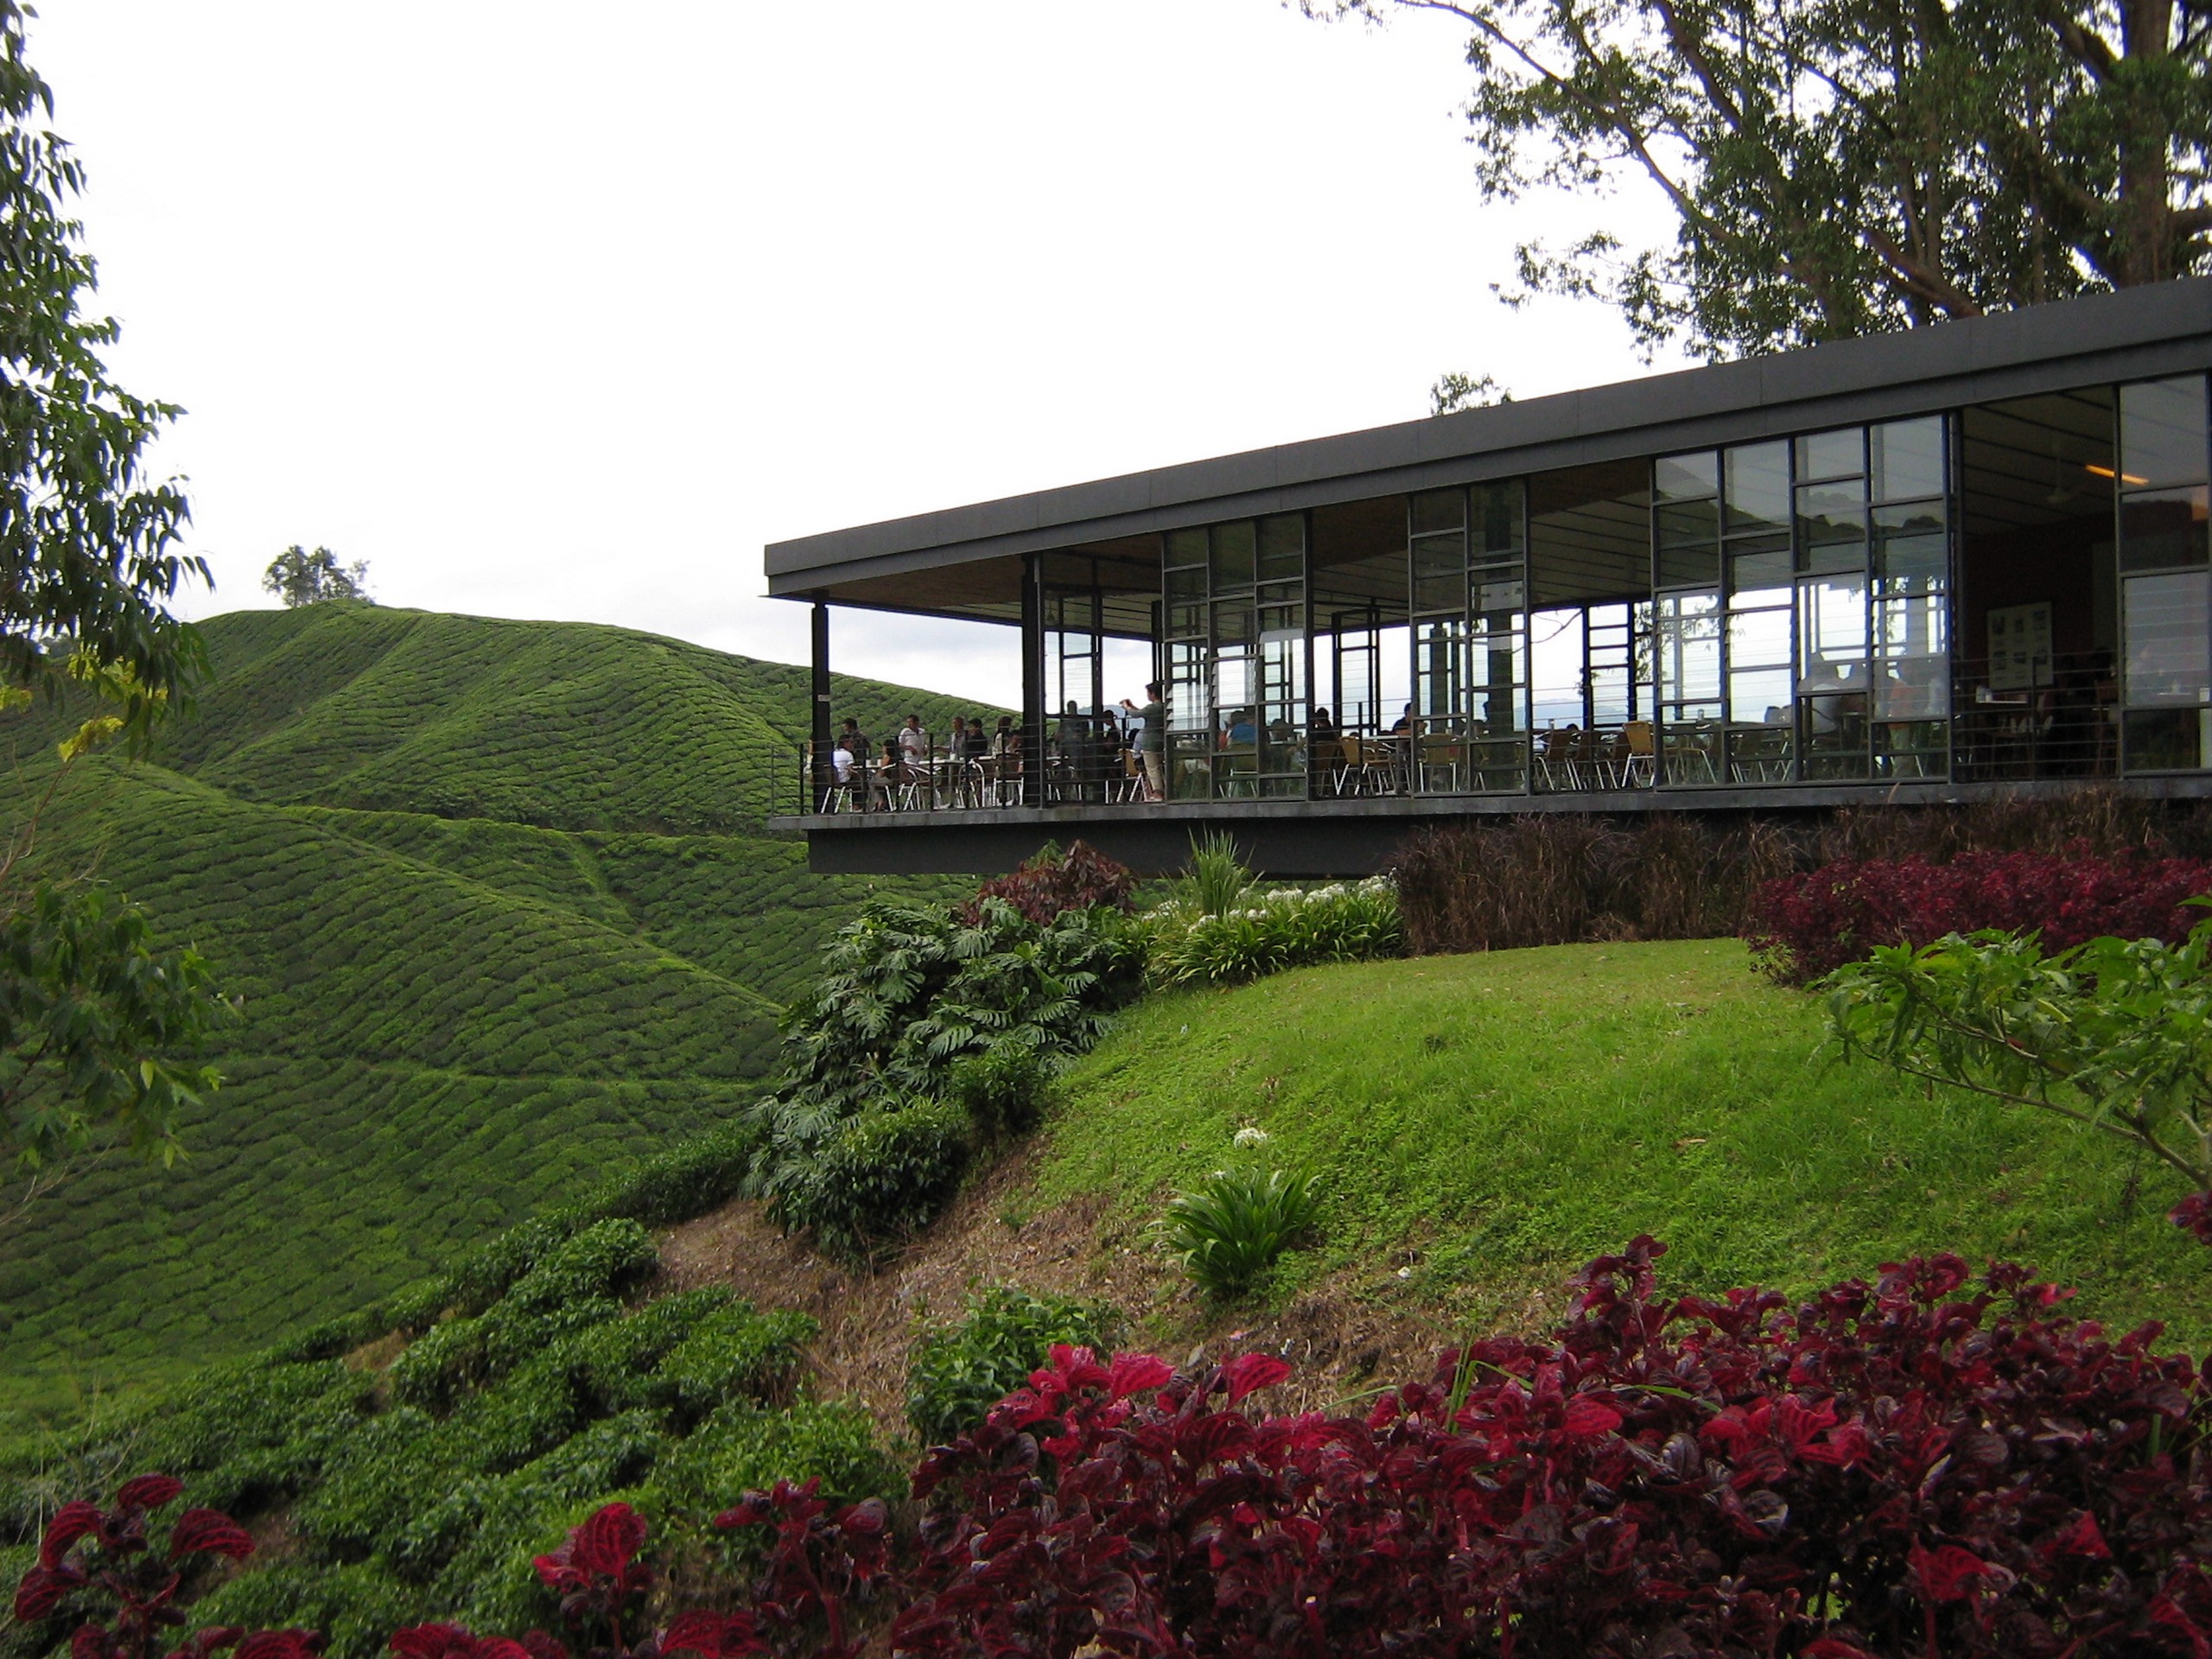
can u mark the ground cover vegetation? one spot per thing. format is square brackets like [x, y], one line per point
[442, 1022]
[1839, 169]
[1922, 1465]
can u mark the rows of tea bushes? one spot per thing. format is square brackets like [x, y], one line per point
[444, 1023]
[418, 1480]
[559, 724]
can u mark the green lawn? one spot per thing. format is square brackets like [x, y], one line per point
[1497, 1119]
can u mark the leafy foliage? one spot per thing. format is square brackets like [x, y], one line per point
[1804, 926]
[906, 994]
[959, 1371]
[1001, 1088]
[96, 1024]
[1217, 879]
[1233, 1226]
[534, 1391]
[1922, 1465]
[2115, 1034]
[1081, 878]
[96, 1569]
[1838, 170]
[85, 542]
[1268, 932]
[876, 1178]
[299, 577]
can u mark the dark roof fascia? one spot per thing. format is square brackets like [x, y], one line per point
[2162, 329]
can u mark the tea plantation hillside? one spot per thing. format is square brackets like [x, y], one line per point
[500, 914]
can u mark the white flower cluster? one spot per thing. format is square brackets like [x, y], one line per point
[1250, 1136]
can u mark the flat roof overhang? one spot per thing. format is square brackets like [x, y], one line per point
[2139, 333]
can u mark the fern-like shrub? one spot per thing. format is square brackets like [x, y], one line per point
[959, 1371]
[1266, 933]
[907, 997]
[1233, 1226]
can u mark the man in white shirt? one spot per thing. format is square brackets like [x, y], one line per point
[913, 742]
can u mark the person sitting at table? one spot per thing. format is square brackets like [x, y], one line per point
[1240, 733]
[1322, 727]
[841, 763]
[890, 772]
[977, 743]
[1404, 722]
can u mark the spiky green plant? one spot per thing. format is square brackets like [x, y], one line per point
[1235, 1223]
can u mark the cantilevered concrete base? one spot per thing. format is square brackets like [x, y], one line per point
[1343, 837]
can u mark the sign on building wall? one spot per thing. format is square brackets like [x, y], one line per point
[2020, 646]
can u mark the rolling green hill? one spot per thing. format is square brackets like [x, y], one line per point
[498, 908]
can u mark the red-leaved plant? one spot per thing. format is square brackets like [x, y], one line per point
[1805, 926]
[97, 1565]
[1082, 878]
[1932, 1466]
[1925, 1466]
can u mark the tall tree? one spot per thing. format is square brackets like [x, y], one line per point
[1845, 167]
[93, 1012]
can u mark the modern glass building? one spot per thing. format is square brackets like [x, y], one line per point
[1914, 568]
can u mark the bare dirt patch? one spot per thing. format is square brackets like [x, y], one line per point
[1348, 1337]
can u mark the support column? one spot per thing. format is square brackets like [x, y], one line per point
[1032, 680]
[820, 779]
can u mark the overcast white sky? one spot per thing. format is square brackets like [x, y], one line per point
[563, 310]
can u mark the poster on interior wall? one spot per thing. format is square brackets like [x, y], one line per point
[2020, 646]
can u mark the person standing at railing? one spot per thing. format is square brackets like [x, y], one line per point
[1151, 739]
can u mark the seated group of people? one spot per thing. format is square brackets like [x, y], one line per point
[1080, 749]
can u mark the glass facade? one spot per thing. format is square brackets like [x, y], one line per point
[1802, 608]
[2013, 590]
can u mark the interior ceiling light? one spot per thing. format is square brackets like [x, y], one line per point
[2107, 472]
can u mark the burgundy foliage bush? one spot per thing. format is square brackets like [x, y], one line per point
[1803, 926]
[1926, 1466]
[97, 1569]
[1931, 1465]
[1081, 878]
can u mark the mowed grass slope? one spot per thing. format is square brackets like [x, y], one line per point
[1491, 1122]
[446, 1021]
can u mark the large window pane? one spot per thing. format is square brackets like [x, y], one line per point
[1233, 550]
[1497, 518]
[1682, 478]
[2168, 659]
[1435, 510]
[2161, 527]
[1282, 548]
[2162, 433]
[1688, 642]
[1908, 457]
[1758, 487]
[1831, 455]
